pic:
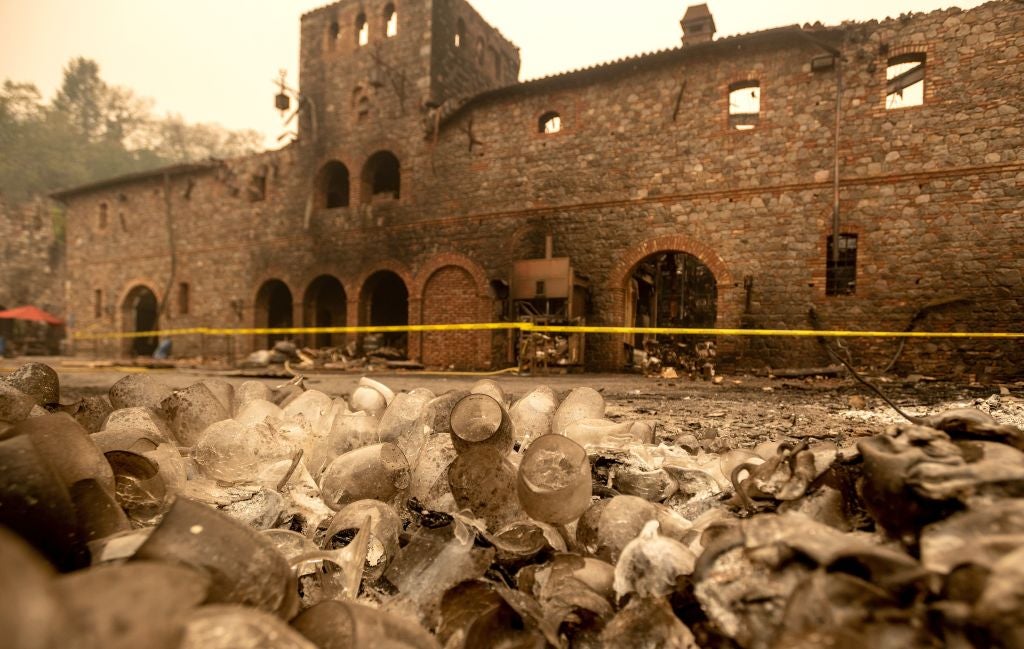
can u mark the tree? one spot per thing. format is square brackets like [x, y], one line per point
[92, 130]
[81, 98]
[177, 140]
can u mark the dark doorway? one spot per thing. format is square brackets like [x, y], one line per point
[672, 289]
[385, 302]
[140, 313]
[324, 306]
[274, 309]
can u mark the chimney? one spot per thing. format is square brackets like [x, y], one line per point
[698, 25]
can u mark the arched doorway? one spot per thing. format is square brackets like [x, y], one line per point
[140, 313]
[274, 309]
[324, 306]
[670, 289]
[384, 301]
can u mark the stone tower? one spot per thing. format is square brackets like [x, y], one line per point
[371, 75]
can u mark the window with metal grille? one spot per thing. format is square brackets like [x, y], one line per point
[841, 271]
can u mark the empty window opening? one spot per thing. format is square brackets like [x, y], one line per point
[841, 274]
[103, 216]
[324, 305]
[274, 309]
[390, 21]
[257, 190]
[333, 34]
[382, 176]
[333, 185]
[480, 51]
[183, 298]
[460, 33]
[670, 289]
[139, 313]
[550, 123]
[362, 30]
[904, 78]
[744, 105]
[97, 303]
[496, 62]
[384, 302]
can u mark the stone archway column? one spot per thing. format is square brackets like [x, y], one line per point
[352, 318]
[415, 339]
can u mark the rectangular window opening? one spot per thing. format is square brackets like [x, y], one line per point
[904, 81]
[97, 303]
[183, 298]
[841, 273]
[744, 105]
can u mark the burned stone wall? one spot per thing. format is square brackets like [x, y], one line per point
[646, 158]
[32, 255]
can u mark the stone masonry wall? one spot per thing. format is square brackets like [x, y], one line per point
[32, 256]
[645, 162]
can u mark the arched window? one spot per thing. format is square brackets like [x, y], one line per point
[362, 30]
[361, 102]
[744, 105]
[382, 177]
[480, 51]
[390, 21]
[332, 185]
[550, 122]
[333, 34]
[460, 33]
[496, 62]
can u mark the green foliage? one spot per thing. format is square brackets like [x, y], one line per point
[92, 130]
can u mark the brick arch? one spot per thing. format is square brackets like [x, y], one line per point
[451, 295]
[619, 274]
[609, 352]
[319, 310]
[280, 277]
[311, 273]
[393, 265]
[438, 262]
[360, 310]
[261, 312]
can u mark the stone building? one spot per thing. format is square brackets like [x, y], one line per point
[31, 260]
[874, 171]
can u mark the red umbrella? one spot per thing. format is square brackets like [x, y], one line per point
[30, 313]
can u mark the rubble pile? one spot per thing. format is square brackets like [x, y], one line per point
[673, 356]
[289, 355]
[219, 516]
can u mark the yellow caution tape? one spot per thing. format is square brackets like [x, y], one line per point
[529, 327]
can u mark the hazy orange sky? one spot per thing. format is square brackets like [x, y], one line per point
[216, 60]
